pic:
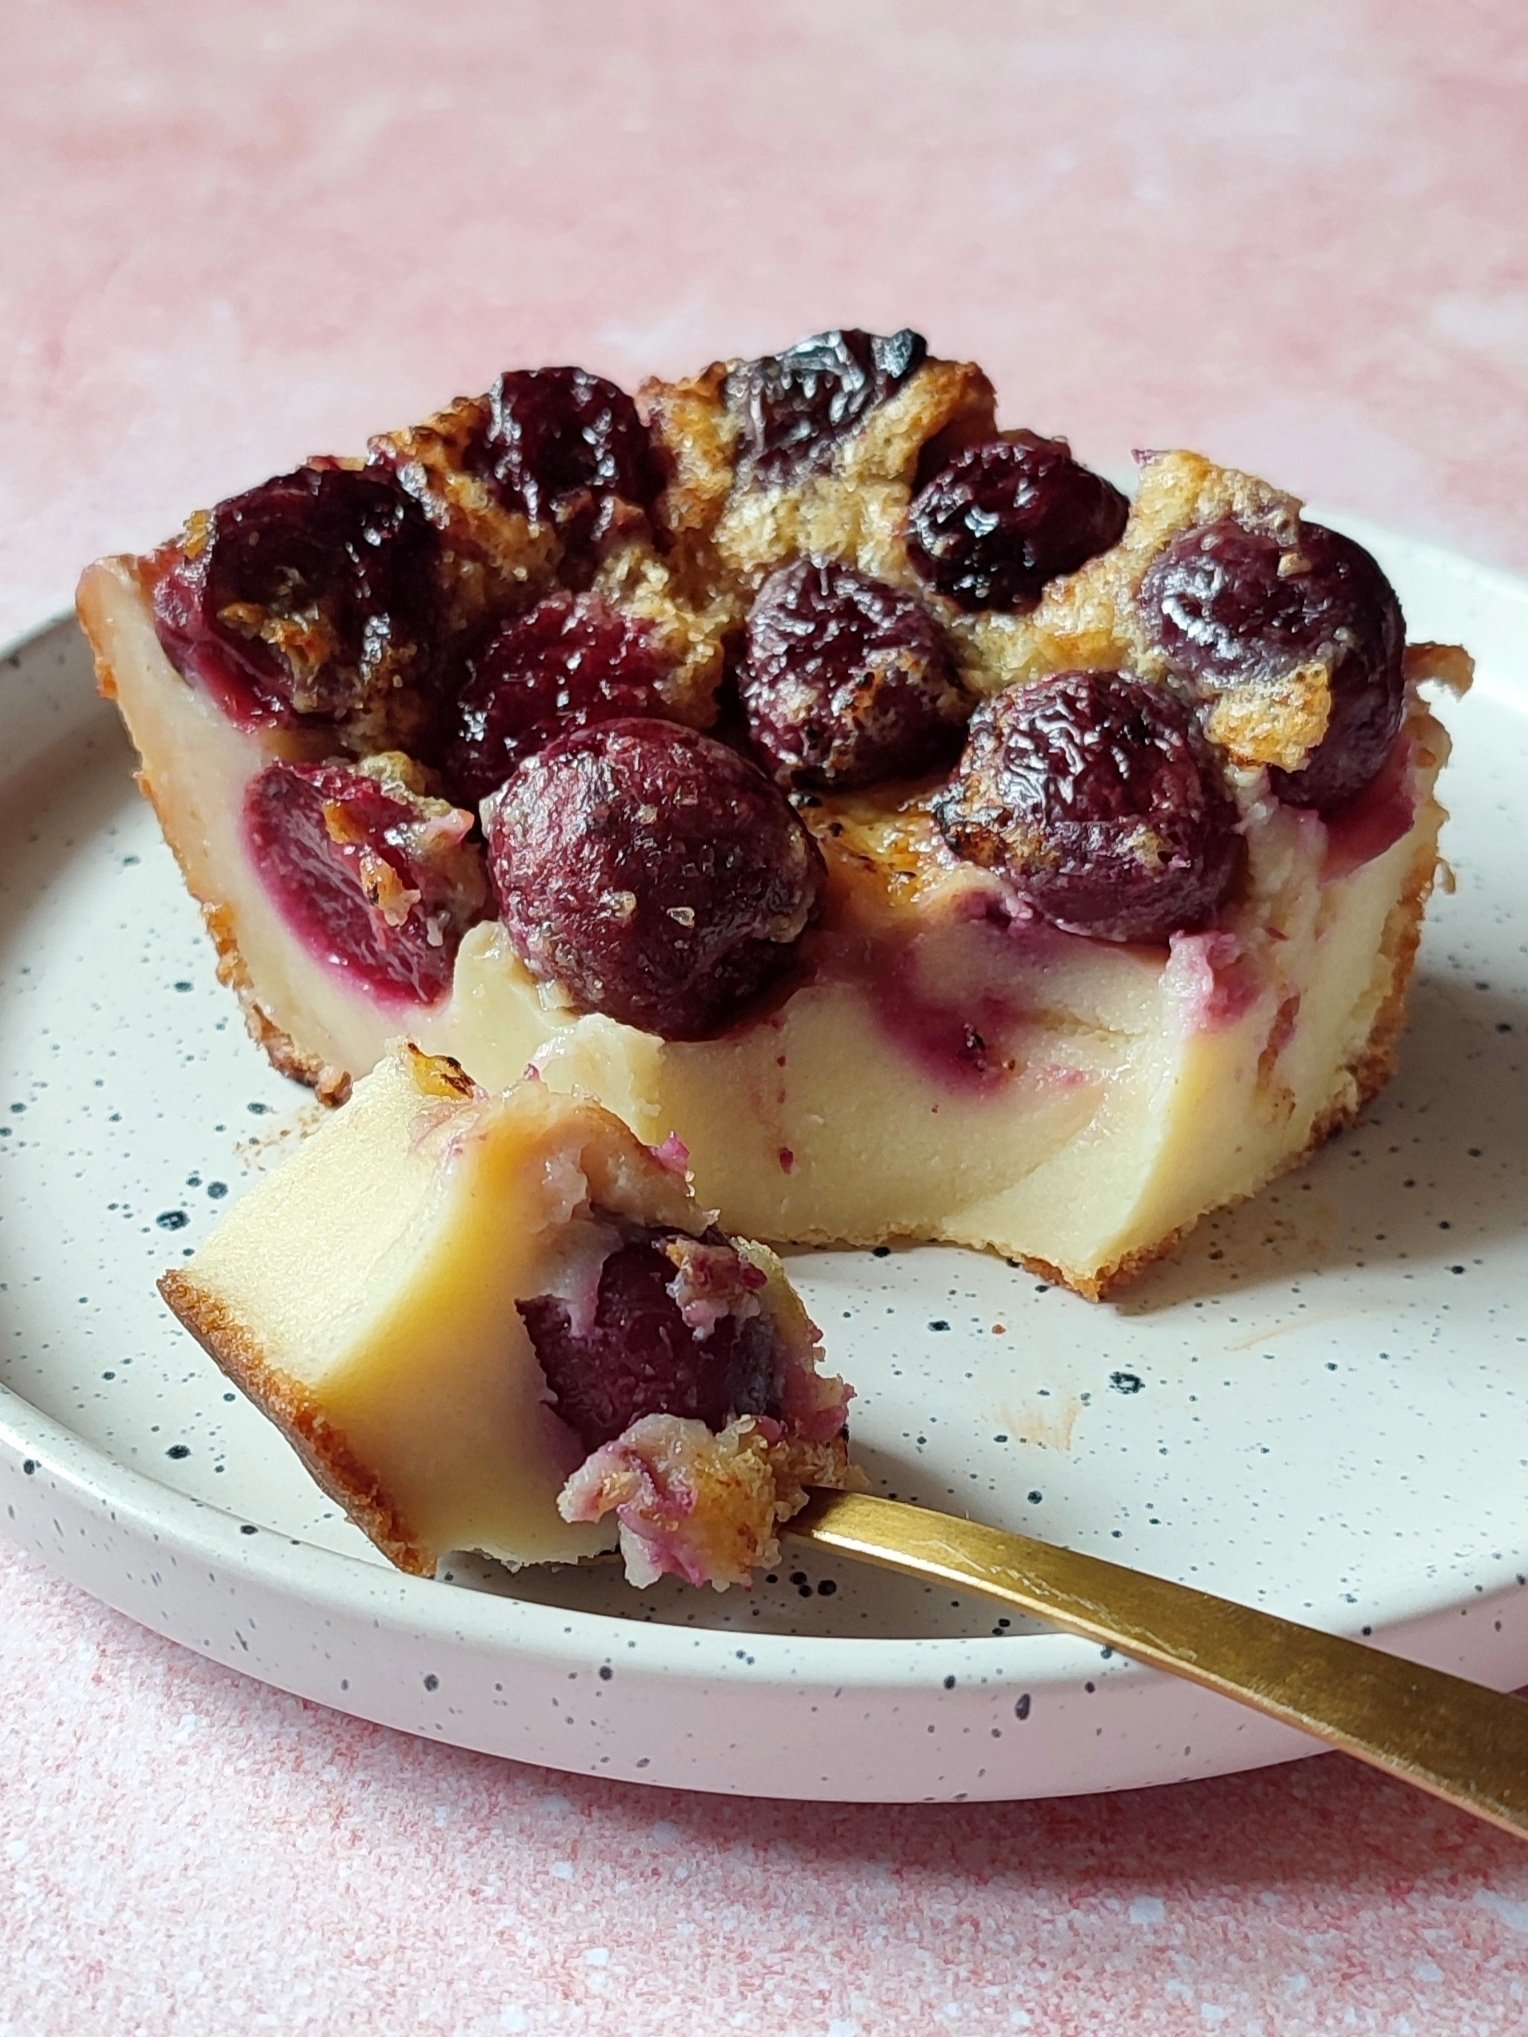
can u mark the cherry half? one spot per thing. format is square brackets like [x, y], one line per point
[377, 881]
[638, 1356]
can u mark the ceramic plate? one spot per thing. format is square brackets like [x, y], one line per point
[1320, 1407]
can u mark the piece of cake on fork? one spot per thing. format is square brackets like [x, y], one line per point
[497, 1322]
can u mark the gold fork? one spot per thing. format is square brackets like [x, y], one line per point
[1458, 1740]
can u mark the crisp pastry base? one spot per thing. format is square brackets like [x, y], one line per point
[935, 1073]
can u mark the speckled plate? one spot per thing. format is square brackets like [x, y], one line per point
[1320, 1407]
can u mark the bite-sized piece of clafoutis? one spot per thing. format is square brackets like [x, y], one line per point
[498, 1322]
[948, 846]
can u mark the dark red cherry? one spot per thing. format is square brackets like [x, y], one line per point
[1233, 607]
[567, 448]
[798, 406]
[1099, 801]
[309, 597]
[638, 1356]
[378, 881]
[846, 679]
[1005, 517]
[570, 661]
[653, 873]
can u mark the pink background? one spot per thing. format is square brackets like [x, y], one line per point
[1293, 236]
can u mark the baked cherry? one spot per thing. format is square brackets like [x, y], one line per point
[570, 661]
[639, 1356]
[991, 528]
[565, 447]
[654, 874]
[379, 880]
[796, 407]
[1100, 802]
[1233, 607]
[311, 596]
[847, 680]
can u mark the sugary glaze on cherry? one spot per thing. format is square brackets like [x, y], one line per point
[1005, 517]
[796, 407]
[567, 448]
[846, 681]
[1099, 801]
[652, 872]
[569, 661]
[308, 598]
[322, 600]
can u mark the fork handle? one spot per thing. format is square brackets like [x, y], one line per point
[1457, 1740]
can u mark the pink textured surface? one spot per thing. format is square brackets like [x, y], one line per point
[191, 1853]
[1291, 236]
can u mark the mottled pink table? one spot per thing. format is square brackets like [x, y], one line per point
[233, 235]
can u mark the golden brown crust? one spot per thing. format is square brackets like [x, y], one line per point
[1090, 620]
[698, 436]
[331, 1085]
[728, 537]
[497, 562]
[323, 1448]
[432, 462]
